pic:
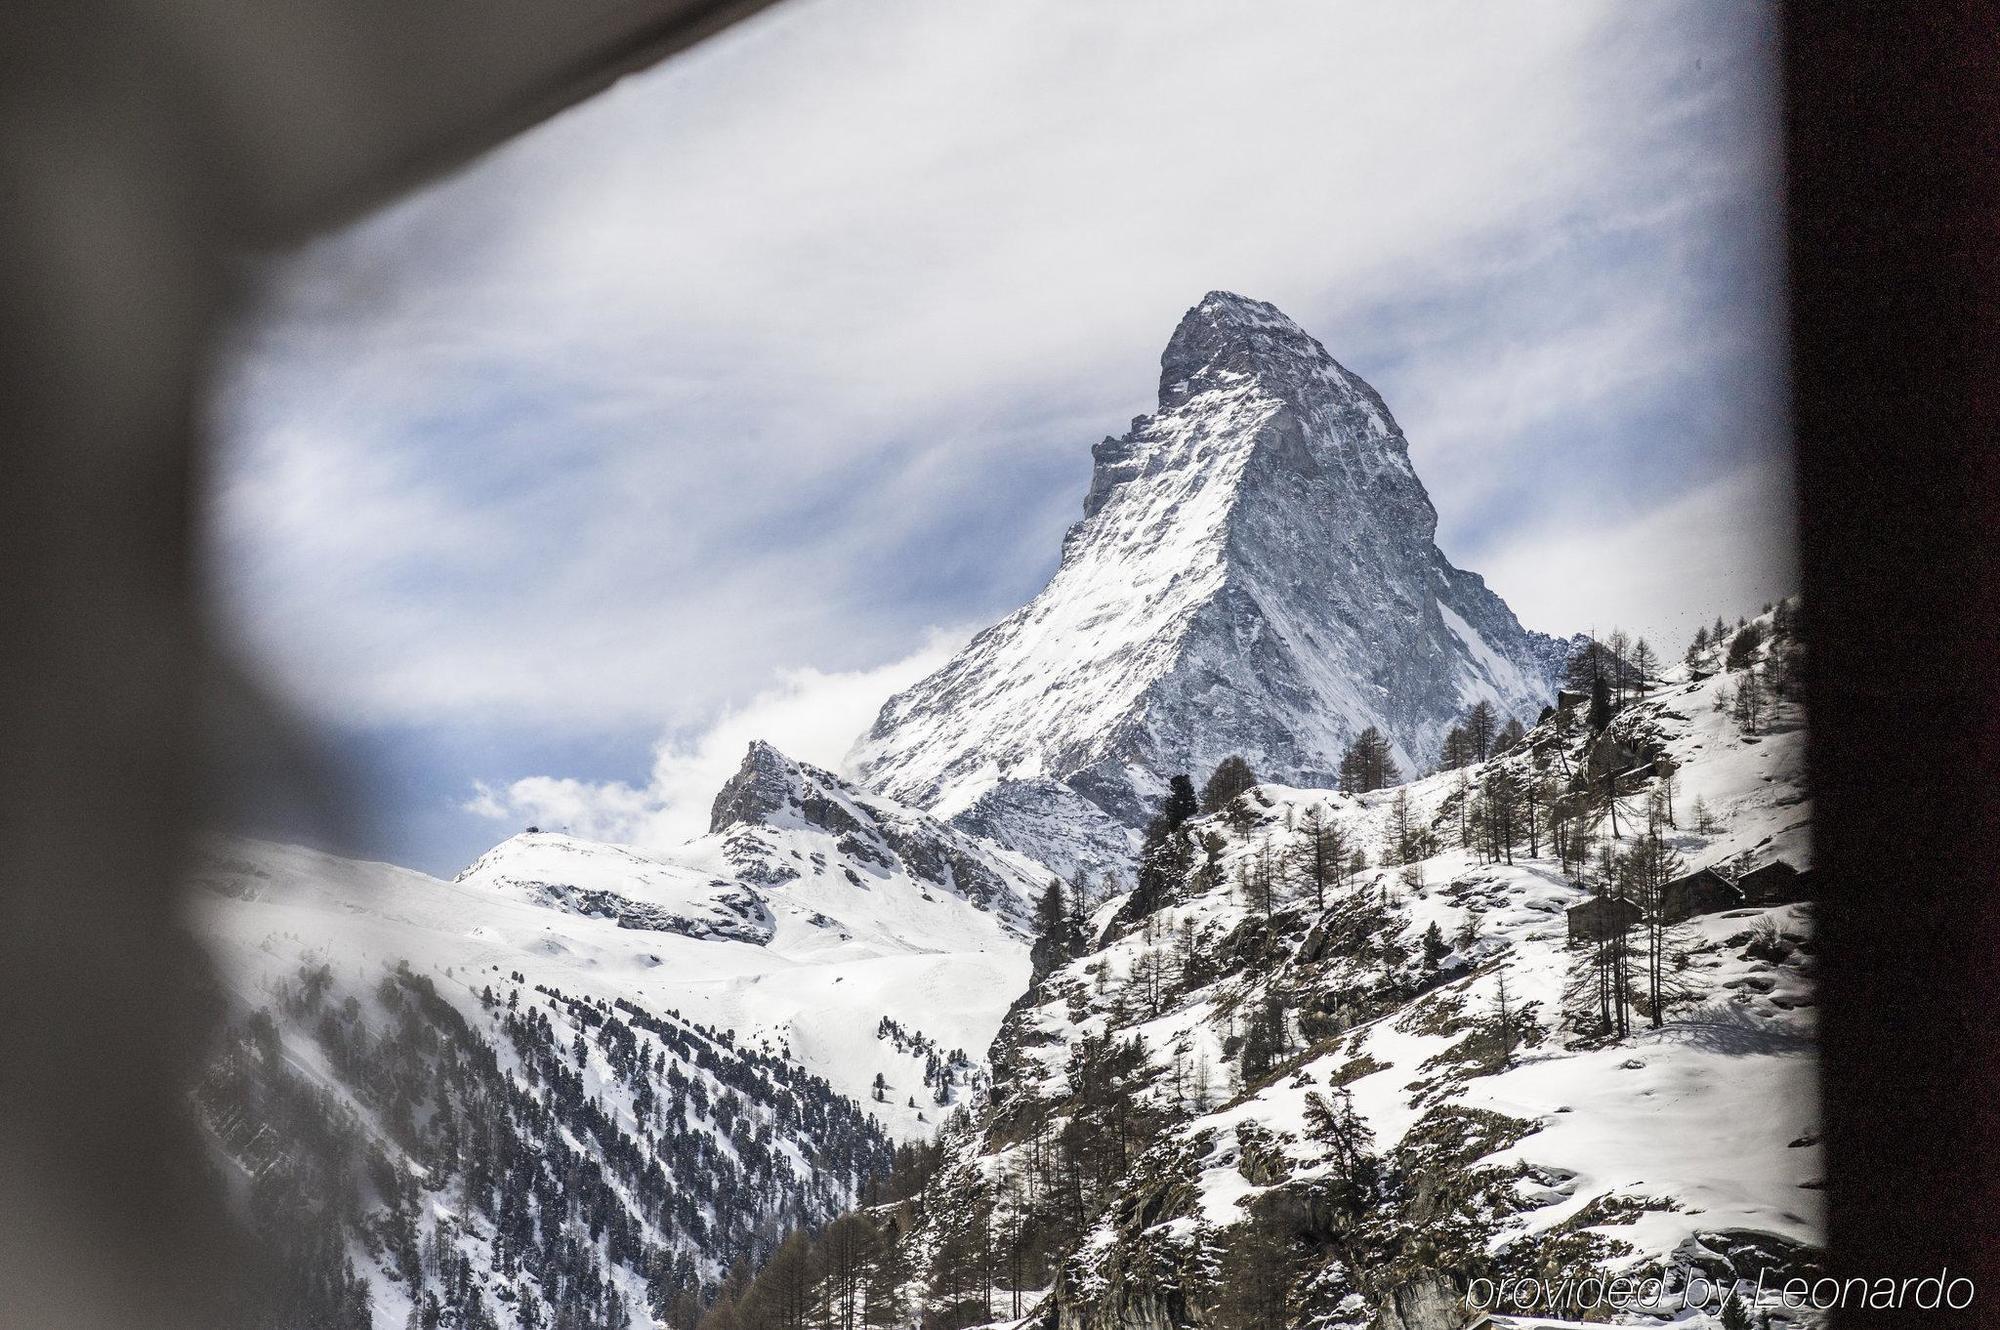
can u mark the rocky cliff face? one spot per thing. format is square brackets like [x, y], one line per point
[1256, 572]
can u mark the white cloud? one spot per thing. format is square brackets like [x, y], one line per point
[810, 715]
[1725, 548]
[709, 355]
[786, 350]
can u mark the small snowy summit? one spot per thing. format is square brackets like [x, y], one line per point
[1256, 572]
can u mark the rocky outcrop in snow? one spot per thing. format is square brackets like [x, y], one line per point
[637, 889]
[1256, 572]
[772, 794]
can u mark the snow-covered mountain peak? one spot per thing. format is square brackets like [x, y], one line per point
[1255, 573]
[1227, 339]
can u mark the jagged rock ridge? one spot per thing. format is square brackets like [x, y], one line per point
[1256, 572]
[771, 794]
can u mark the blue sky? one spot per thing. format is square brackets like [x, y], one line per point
[726, 403]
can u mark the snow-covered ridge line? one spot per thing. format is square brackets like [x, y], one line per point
[621, 883]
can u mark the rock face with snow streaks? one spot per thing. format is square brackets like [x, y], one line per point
[1256, 572]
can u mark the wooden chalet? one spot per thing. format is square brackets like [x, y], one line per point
[1704, 891]
[1601, 917]
[1776, 883]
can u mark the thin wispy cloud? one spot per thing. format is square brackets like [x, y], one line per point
[776, 358]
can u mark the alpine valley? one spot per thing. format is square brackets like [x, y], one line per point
[1259, 928]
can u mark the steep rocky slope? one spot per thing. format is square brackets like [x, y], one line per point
[1306, 1092]
[787, 825]
[1256, 572]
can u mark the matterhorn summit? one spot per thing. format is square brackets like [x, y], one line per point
[1256, 572]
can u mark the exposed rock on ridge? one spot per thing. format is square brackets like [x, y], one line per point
[771, 791]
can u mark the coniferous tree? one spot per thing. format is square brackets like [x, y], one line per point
[1435, 949]
[1353, 779]
[1467, 936]
[1669, 784]
[1080, 902]
[1166, 855]
[1342, 1132]
[1265, 1038]
[1619, 649]
[1598, 994]
[1232, 777]
[1752, 702]
[1368, 764]
[1259, 878]
[1600, 703]
[1503, 801]
[1585, 667]
[1053, 932]
[1645, 870]
[1409, 840]
[1743, 647]
[1541, 794]
[1704, 817]
[1504, 1019]
[1482, 727]
[1321, 855]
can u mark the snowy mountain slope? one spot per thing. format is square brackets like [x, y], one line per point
[1255, 572]
[838, 931]
[639, 890]
[1066, 832]
[458, 1147]
[1154, 1144]
[796, 859]
[725, 1039]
